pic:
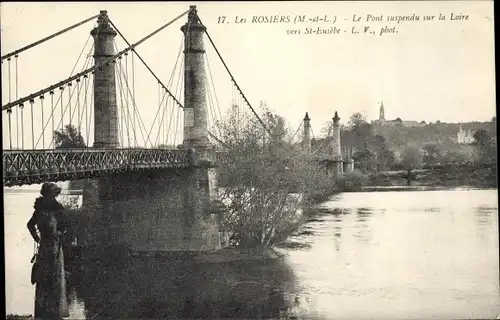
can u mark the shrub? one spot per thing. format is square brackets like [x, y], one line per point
[352, 181]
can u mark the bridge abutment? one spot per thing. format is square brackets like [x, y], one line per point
[160, 211]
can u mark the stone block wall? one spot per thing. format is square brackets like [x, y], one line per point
[161, 211]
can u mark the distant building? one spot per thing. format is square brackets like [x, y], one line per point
[413, 124]
[381, 118]
[383, 122]
[464, 137]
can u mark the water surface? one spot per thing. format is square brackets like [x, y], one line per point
[377, 255]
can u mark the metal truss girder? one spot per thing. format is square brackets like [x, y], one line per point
[22, 167]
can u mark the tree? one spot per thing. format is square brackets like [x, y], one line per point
[384, 156]
[485, 146]
[411, 159]
[456, 157]
[358, 132]
[365, 159]
[356, 120]
[259, 182]
[481, 137]
[432, 154]
[68, 137]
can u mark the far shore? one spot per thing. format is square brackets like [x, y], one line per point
[420, 188]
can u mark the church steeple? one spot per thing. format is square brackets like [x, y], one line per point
[382, 113]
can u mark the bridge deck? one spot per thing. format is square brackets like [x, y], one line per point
[22, 167]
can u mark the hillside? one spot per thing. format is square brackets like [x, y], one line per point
[444, 134]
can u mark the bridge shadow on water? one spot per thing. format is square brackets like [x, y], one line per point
[180, 285]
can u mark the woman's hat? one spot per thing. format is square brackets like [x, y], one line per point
[50, 187]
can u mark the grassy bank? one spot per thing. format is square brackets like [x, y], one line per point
[18, 317]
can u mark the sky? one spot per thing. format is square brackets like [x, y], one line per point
[429, 70]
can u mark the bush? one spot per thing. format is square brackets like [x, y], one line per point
[263, 180]
[352, 181]
[380, 179]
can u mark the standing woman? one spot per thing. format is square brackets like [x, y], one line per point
[49, 219]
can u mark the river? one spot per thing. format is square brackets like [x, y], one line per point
[386, 255]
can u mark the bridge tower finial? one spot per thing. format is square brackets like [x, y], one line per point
[336, 118]
[306, 141]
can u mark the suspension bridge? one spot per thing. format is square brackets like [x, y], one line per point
[148, 180]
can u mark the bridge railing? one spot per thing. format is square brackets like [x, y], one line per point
[37, 166]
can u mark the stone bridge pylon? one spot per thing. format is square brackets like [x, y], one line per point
[152, 210]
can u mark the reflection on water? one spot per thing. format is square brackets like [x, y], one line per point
[485, 216]
[402, 255]
[169, 287]
[386, 255]
[363, 231]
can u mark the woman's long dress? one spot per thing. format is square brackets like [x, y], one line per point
[50, 293]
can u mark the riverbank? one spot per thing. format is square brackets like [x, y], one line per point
[443, 176]
[18, 317]
[401, 188]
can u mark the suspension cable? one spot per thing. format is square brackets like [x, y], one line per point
[160, 123]
[324, 141]
[61, 89]
[52, 112]
[17, 76]
[126, 96]
[104, 62]
[213, 85]
[17, 86]
[43, 130]
[300, 125]
[81, 53]
[85, 111]
[69, 101]
[70, 95]
[119, 70]
[234, 81]
[32, 102]
[123, 116]
[10, 99]
[218, 140]
[156, 117]
[132, 96]
[136, 111]
[88, 120]
[10, 128]
[211, 107]
[21, 106]
[78, 89]
[179, 86]
[171, 83]
[146, 65]
[47, 38]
